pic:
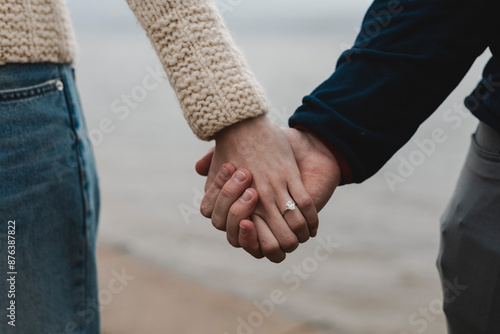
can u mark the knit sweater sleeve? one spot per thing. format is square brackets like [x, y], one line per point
[211, 78]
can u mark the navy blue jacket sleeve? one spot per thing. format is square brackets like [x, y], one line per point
[408, 57]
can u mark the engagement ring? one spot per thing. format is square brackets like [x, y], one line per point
[289, 206]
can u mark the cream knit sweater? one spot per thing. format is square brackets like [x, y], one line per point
[212, 80]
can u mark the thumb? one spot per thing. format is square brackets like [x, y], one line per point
[203, 165]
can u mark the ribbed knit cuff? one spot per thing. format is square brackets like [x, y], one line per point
[212, 80]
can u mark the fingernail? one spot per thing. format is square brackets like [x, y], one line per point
[243, 230]
[224, 174]
[240, 176]
[247, 196]
[314, 233]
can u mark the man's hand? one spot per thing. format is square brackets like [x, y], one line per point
[319, 172]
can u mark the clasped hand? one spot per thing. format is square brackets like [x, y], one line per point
[255, 168]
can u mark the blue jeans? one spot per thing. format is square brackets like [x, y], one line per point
[49, 204]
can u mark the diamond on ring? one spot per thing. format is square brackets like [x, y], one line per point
[289, 206]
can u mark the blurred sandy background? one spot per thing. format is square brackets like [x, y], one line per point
[381, 276]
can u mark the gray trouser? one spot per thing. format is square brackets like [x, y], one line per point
[469, 260]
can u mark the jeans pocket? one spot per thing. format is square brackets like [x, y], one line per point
[482, 153]
[35, 133]
[16, 94]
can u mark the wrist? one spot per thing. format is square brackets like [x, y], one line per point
[319, 145]
[332, 152]
[245, 127]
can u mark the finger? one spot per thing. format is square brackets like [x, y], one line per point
[208, 201]
[287, 239]
[240, 210]
[213, 170]
[294, 219]
[229, 194]
[305, 203]
[268, 243]
[203, 165]
[248, 239]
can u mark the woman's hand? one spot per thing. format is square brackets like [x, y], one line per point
[319, 172]
[262, 148]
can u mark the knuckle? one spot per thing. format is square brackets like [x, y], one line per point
[235, 213]
[314, 222]
[218, 225]
[305, 201]
[226, 193]
[219, 183]
[233, 242]
[253, 250]
[277, 258]
[205, 209]
[303, 237]
[270, 248]
[289, 244]
[265, 191]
